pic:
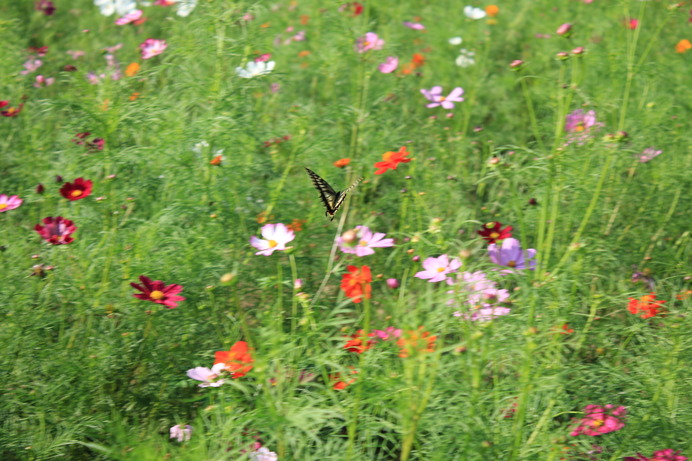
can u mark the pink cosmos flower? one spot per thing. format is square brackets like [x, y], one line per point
[152, 47]
[661, 455]
[9, 203]
[43, 81]
[56, 231]
[649, 154]
[578, 121]
[447, 102]
[511, 255]
[263, 454]
[484, 314]
[414, 25]
[76, 54]
[389, 65]
[388, 333]
[207, 376]
[132, 16]
[363, 242]
[276, 236]
[30, 65]
[482, 295]
[369, 41]
[181, 433]
[600, 420]
[436, 269]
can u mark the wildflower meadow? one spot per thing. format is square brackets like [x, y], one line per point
[329, 230]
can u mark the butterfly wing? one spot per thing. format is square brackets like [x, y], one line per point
[341, 196]
[331, 199]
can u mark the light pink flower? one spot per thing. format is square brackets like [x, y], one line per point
[436, 269]
[276, 236]
[649, 154]
[207, 376]
[30, 65]
[414, 25]
[263, 454]
[181, 433]
[389, 65]
[42, 81]
[387, 333]
[447, 102]
[132, 16]
[600, 420]
[369, 41]
[9, 203]
[661, 455]
[364, 242]
[76, 54]
[152, 47]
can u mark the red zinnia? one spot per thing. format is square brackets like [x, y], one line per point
[238, 360]
[492, 232]
[156, 291]
[391, 160]
[356, 284]
[648, 306]
[79, 189]
[56, 230]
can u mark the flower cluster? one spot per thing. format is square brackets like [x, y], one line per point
[481, 295]
[648, 306]
[600, 420]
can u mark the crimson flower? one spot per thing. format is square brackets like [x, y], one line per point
[56, 231]
[648, 306]
[492, 232]
[156, 291]
[356, 284]
[390, 160]
[238, 360]
[600, 420]
[10, 111]
[357, 344]
[76, 190]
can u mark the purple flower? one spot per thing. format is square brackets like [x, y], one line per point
[414, 25]
[369, 41]
[649, 154]
[389, 65]
[363, 242]
[511, 255]
[436, 269]
[447, 102]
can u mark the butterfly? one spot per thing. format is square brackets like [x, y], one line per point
[331, 199]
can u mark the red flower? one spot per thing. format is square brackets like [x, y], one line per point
[414, 341]
[156, 291]
[11, 111]
[492, 232]
[56, 230]
[79, 189]
[296, 225]
[342, 162]
[356, 284]
[238, 360]
[648, 306]
[391, 160]
[357, 344]
[338, 383]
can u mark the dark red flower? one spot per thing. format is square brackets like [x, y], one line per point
[11, 111]
[56, 231]
[46, 7]
[492, 232]
[79, 189]
[356, 284]
[156, 291]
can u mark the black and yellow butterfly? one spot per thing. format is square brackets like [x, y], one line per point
[331, 199]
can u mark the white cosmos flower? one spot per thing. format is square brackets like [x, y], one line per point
[185, 7]
[466, 58]
[121, 7]
[253, 69]
[455, 41]
[474, 13]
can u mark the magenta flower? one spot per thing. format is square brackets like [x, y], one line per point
[447, 102]
[369, 41]
[414, 25]
[56, 231]
[46, 7]
[389, 65]
[661, 455]
[9, 203]
[436, 269]
[511, 255]
[649, 154]
[393, 283]
[578, 121]
[158, 292]
[600, 420]
[388, 333]
[276, 236]
[363, 242]
[152, 47]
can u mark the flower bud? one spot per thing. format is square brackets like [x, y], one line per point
[392, 283]
[565, 30]
[516, 64]
[562, 56]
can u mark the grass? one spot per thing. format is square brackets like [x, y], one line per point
[90, 372]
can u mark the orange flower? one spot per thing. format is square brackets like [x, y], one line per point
[357, 344]
[684, 295]
[391, 160]
[415, 341]
[217, 160]
[265, 25]
[238, 360]
[648, 306]
[262, 217]
[356, 284]
[683, 45]
[342, 162]
[340, 385]
[132, 69]
[297, 225]
[304, 19]
[492, 10]
[304, 53]
[417, 61]
[134, 96]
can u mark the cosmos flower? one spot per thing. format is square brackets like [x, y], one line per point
[276, 236]
[181, 433]
[414, 25]
[389, 65]
[8, 203]
[369, 41]
[455, 41]
[511, 255]
[661, 455]
[390, 160]
[600, 420]
[447, 102]
[56, 231]
[466, 58]
[152, 47]
[648, 154]
[157, 292]
[474, 13]
[413, 342]
[363, 242]
[254, 69]
[207, 376]
[185, 7]
[237, 361]
[132, 16]
[436, 269]
[263, 454]
[121, 7]
[342, 162]
[10, 111]
[77, 190]
[42, 81]
[46, 7]
[492, 232]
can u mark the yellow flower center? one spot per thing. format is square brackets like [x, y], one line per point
[366, 43]
[512, 264]
[363, 243]
[597, 423]
[494, 235]
[156, 295]
[3, 206]
[273, 243]
[579, 127]
[76, 193]
[440, 269]
[441, 98]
